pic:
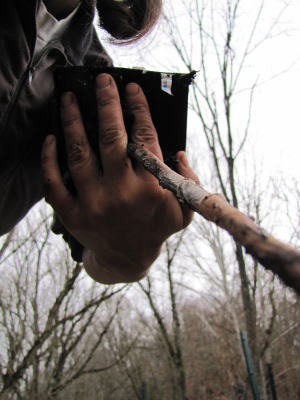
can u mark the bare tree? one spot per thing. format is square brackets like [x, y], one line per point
[48, 314]
[171, 335]
[218, 50]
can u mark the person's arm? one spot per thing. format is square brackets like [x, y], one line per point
[121, 215]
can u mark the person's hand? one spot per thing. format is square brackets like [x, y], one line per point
[121, 215]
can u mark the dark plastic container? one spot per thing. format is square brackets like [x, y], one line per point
[166, 93]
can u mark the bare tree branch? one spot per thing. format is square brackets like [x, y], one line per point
[280, 258]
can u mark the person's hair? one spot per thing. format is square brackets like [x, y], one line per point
[128, 20]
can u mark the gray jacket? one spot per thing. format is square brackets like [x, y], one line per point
[26, 93]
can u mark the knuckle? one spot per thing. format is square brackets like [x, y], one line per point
[146, 133]
[46, 159]
[77, 152]
[106, 101]
[124, 200]
[122, 203]
[71, 121]
[140, 108]
[111, 135]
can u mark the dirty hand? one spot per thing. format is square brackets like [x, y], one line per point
[120, 215]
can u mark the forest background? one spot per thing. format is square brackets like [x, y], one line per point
[176, 334]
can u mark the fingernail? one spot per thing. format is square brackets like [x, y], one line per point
[49, 139]
[183, 159]
[103, 81]
[132, 89]
[67, 99]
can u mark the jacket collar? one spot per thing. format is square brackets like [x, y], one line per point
[80, 34]
[77, 39]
